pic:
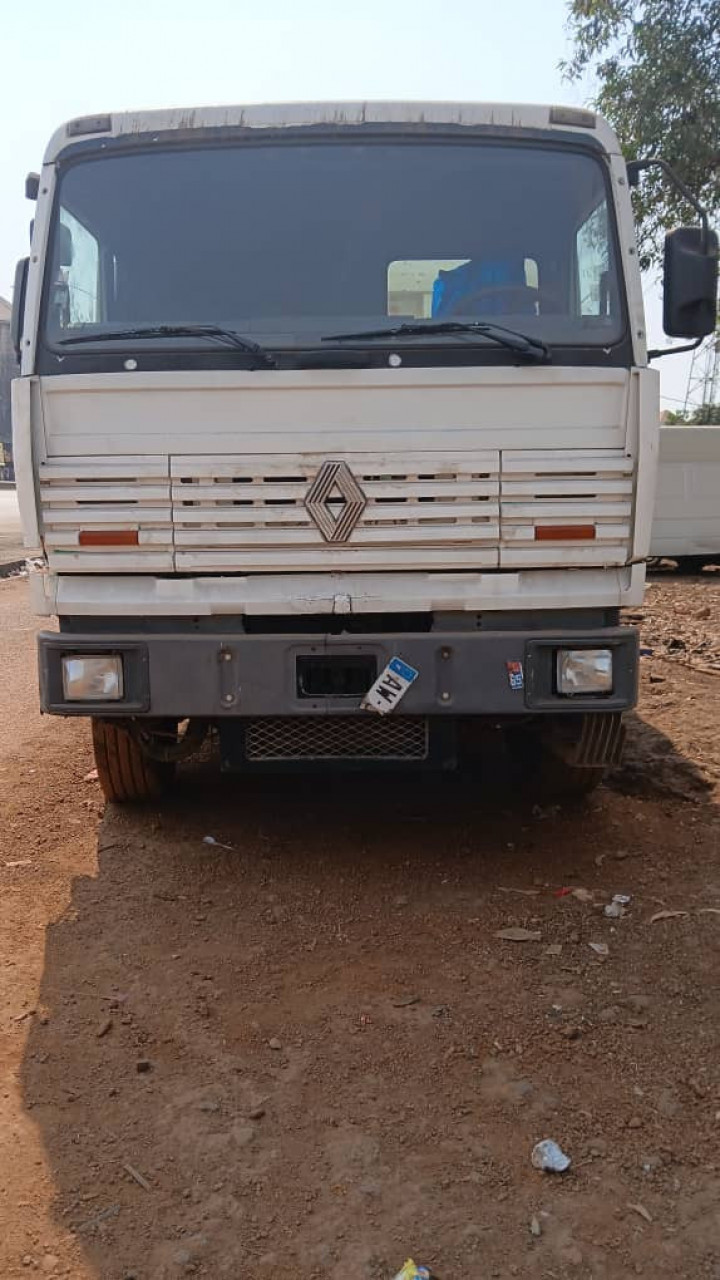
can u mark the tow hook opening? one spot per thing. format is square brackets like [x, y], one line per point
[335, 676]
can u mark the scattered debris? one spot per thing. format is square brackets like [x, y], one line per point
[549, 1157]
[513, 934]
[615, 910]
[137, 1177]
[404, 1002]
[535, 1228]
[92, 776]
[567, 891]
[274, 1044]
[256, 1113]
[111, 1212]
[635, 1122]
[523, 893]
[412, 1272]
[105, 1026]
[555, 949]
[217, 843]
[600, 948]
[702, 911]
[20, 862]
[666, 915]
[20, 1017]
[143, 1065]
[640, 1208]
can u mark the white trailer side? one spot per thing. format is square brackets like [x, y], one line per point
[687, 508]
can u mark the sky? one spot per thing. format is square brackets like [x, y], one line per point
[79, 58]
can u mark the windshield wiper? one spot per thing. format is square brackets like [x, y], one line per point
[520, 343]
[213, 332]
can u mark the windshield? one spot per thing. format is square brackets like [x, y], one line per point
[285, 242]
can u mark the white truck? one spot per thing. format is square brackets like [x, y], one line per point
[686, 521]
[335, 434]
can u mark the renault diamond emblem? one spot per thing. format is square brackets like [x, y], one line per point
[335, 501]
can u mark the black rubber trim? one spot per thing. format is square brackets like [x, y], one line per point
[52, 648]
[541, 692]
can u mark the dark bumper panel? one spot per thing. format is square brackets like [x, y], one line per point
[460, 673]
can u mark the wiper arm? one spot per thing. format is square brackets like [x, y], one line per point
[520, 343]
[213, 332]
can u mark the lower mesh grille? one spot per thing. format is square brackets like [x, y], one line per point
[336, 738]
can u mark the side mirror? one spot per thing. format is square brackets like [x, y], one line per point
[18, 305]
[690, 280]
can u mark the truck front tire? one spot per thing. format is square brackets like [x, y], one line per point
[568, 758]
[125, 773]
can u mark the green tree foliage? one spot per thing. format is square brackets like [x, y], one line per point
[656, 64]
[704, 416]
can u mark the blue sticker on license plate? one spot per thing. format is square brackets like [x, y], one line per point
[390, 687]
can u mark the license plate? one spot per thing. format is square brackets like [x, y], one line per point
[390, 687]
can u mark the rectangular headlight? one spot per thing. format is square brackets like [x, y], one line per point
[92, 678]
[584, 671]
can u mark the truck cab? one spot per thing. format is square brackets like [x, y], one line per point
[335, 434]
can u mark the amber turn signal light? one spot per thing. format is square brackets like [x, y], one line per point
[564, 532]
[108, 538]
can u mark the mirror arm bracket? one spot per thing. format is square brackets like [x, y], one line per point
[674, 351]
[636, 167]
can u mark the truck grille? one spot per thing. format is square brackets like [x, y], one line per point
[425, 511]
[336, 738]
[565, 487]
[421, 512]
[107, 496]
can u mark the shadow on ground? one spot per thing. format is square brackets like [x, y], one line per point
[653, 766]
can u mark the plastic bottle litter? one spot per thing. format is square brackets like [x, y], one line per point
[412, 1272]
[549, 1157]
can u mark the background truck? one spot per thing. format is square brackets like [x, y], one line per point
[686, 522]
[335, 435]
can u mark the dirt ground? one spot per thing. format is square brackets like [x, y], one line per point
[310, 1055]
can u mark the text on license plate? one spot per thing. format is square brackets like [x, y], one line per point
[390, 687]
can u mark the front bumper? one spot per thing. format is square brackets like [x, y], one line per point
[211, 676]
